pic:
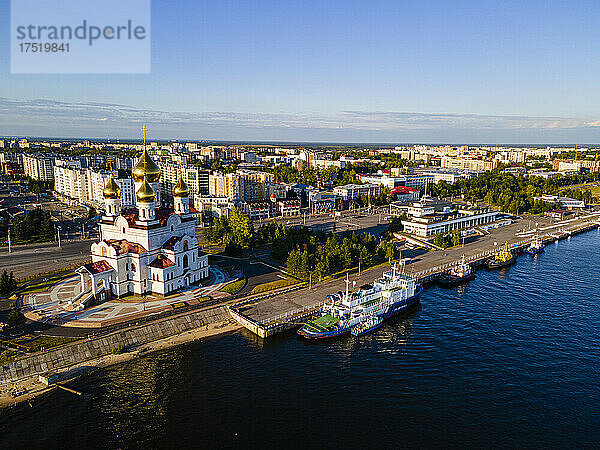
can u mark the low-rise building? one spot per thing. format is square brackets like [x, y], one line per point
[351, 192]
[212, 206]
[288, 207]
[565, 202]
[258, 210]
[429, 217]
[406, 193]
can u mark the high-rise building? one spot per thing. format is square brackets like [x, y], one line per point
[38, 167]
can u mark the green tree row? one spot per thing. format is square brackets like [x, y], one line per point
[447, 240]
[512, 194]
[33, 226]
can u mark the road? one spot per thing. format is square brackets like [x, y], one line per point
[30, 260]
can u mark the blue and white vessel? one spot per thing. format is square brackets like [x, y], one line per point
[391, 294]
[537, 246]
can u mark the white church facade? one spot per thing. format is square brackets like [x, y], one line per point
[148, 248]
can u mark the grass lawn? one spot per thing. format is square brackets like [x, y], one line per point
[235, 287]
[277, 284]
[44, 283]
[8, 356]
[595, 190]
[30, 344]
[33, 344]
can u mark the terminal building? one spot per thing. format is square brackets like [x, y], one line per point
[147, 248]
[429, 217]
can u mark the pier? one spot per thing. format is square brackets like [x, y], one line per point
[268, 316]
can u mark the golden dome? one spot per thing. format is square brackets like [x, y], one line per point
[111, 190]
[181, 189]
[145, 167]
[145, 194]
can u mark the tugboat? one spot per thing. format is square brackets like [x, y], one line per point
[367, 326]
[389, 295]
[457, 275]
[503, 258]
[537, 246]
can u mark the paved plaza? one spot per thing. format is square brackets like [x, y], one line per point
[55, 307]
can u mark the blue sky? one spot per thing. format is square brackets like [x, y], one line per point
[347, 71]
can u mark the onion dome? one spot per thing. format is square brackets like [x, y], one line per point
[146, 168]
[111, 190]
[145, 194]
[181, 189]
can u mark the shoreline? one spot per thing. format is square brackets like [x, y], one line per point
[35, 388]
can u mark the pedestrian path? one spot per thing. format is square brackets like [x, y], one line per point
[54, 306]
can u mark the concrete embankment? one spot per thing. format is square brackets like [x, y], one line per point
[80, 351]
[288, 310]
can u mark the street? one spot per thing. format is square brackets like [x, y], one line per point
[32, 259]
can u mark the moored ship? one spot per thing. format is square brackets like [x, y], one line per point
[391, 294]
[503, 258]
[462, 273]
[371, 324]
[537, 246]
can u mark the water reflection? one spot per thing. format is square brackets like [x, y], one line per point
[133, 398]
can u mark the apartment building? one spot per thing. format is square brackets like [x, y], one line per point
[467, 163]
[74, 185]
[196, 178]
[38, 167]
[229, 185]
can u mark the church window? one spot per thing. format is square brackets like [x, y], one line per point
[172, 227]
[185, 246]
[133, 267]
[123, 230]
[103, 251]
[185, 261]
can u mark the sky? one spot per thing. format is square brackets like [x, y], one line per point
[334, 71]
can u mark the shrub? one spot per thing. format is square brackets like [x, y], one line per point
[119, 349]
[15, 318]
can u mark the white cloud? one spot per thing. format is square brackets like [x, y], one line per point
[98, 119]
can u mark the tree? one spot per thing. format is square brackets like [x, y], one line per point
[15, 318]
[456, 239]
[396, 223]
[7, 283]
[242, 228]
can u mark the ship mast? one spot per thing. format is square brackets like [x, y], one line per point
[347, 283]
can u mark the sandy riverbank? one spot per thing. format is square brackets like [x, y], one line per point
[34, 387]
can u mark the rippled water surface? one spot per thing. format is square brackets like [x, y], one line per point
[511, 359]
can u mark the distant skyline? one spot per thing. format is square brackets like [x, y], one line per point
[324, 71]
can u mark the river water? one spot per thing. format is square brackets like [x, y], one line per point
[511, 359]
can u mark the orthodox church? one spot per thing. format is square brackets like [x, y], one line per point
[148, 248]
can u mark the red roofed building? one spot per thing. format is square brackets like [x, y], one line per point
[406, 193]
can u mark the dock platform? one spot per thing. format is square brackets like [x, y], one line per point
[272, 314]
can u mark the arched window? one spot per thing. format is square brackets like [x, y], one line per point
[185, 261]
[133, 267]
[185, 246]
[103, 251]
[172, 228]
